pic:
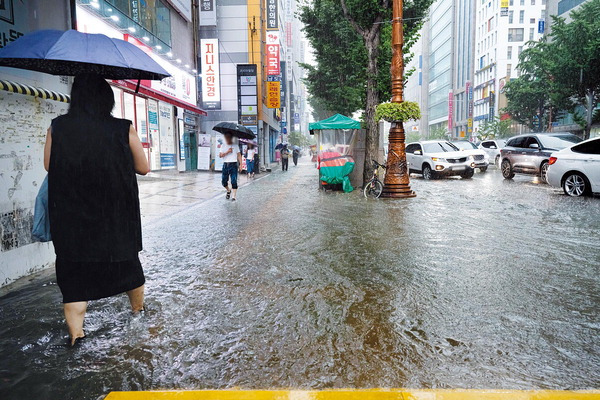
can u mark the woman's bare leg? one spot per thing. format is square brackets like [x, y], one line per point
[75, 314]
[136, 298]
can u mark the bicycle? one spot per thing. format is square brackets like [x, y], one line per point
[374, 188]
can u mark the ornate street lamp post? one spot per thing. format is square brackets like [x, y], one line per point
[396, 183]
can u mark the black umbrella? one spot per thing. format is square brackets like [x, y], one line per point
[71, 53]
[234, 129]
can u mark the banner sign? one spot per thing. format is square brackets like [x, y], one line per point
[541, 26]
[247, 84]
[273, 92]
[504, 8]
[273, 60]
[208, 13]
[211, 79]
[450, 111]
[272, 15]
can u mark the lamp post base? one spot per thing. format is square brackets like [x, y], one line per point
[397, 191]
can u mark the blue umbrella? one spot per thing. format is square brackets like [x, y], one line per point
[72, 53]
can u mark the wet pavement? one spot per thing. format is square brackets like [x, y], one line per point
[480, 283]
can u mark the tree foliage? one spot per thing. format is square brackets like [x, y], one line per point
[495, 129]
[296, 138]
[560, 73]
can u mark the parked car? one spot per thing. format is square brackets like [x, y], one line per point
[492, 148]
[530, 153]
[434, 158]
[480, 157]
[576, 169]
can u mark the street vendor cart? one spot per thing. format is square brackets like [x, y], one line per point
[336, 137]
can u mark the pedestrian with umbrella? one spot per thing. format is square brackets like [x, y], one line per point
[295, 155]
[91, 158]
[285, 158]
[231, 155]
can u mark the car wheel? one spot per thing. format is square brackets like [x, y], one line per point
[483, 169]
[544, 172]
[427, 172]
[497, 161]
[468, 174]
[575, 185]
[507, 171]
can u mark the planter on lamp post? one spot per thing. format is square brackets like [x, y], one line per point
[397, 183]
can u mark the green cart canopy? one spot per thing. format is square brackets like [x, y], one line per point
[336, 121]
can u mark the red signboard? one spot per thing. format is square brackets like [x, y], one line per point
[273, 64]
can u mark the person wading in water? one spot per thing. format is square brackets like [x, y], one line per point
[92, 158]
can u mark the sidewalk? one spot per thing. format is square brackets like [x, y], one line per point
[167, 192]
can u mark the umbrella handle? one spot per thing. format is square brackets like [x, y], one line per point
[137, 87]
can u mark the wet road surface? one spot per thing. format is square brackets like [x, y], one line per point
[479, 283]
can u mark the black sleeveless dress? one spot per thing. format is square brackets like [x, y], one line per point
[94, 208]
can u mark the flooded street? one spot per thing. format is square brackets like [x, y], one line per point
[480, 283]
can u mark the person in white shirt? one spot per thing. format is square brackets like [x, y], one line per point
[250, 160]
[232, 162]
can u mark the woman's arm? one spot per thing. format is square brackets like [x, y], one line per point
[47, 149]
[140, 162]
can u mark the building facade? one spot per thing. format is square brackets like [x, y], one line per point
[503, 29]
[256, 79]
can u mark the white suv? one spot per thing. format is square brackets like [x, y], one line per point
[434, 158]
[482, 160]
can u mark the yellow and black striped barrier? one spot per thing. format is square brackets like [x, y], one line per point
[359, 394]
[33, 91]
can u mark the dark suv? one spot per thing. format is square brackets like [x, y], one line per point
[529, 154]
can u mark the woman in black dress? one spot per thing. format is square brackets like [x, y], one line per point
[92, 159]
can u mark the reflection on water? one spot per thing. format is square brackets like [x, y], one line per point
[473, 284]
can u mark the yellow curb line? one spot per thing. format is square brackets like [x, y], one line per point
[368, 394]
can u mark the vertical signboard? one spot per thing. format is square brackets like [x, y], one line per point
[450, 111]
[208, 13]
[504, 8]
[167, 135]
[247, 94]
[469, 92]
[272, 15]
[211, 79]
[273, 54]
[274, 92]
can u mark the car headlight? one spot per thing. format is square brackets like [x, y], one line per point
[471, 158]
[437, 159]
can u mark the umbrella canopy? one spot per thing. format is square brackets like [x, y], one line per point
[72, 53]
[234, 129]
[336, 121]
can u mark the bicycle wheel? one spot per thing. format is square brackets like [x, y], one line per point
[373, 190]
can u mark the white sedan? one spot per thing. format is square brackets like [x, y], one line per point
[577, 168]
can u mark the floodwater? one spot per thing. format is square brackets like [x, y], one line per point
[479, 283]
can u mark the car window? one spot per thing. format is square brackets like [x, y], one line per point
[464, 145]
[516, 142]
[529, 141]
[559, 141]
[411, 148]
[438, 147]
[591, 147]
[487, 145]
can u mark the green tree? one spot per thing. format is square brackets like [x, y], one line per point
[351, 41]
[560, 73]
[296, 138]
[438, 132]
[495, 129]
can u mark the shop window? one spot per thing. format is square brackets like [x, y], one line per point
[152, 16]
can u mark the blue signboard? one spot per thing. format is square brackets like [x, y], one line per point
[541, 26]
[167, 160]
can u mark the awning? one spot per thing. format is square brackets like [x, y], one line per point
[132, 85]
[337, 121]
[34, 91]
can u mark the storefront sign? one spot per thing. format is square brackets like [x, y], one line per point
[211, 78]
[504, 8]
[183, 7]
[273, 92]
[167, 135]
[273, 60]
[450, 111]
[208, 13]
[272, 14]
[247, 94]
[204, 141]
[181, 129]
